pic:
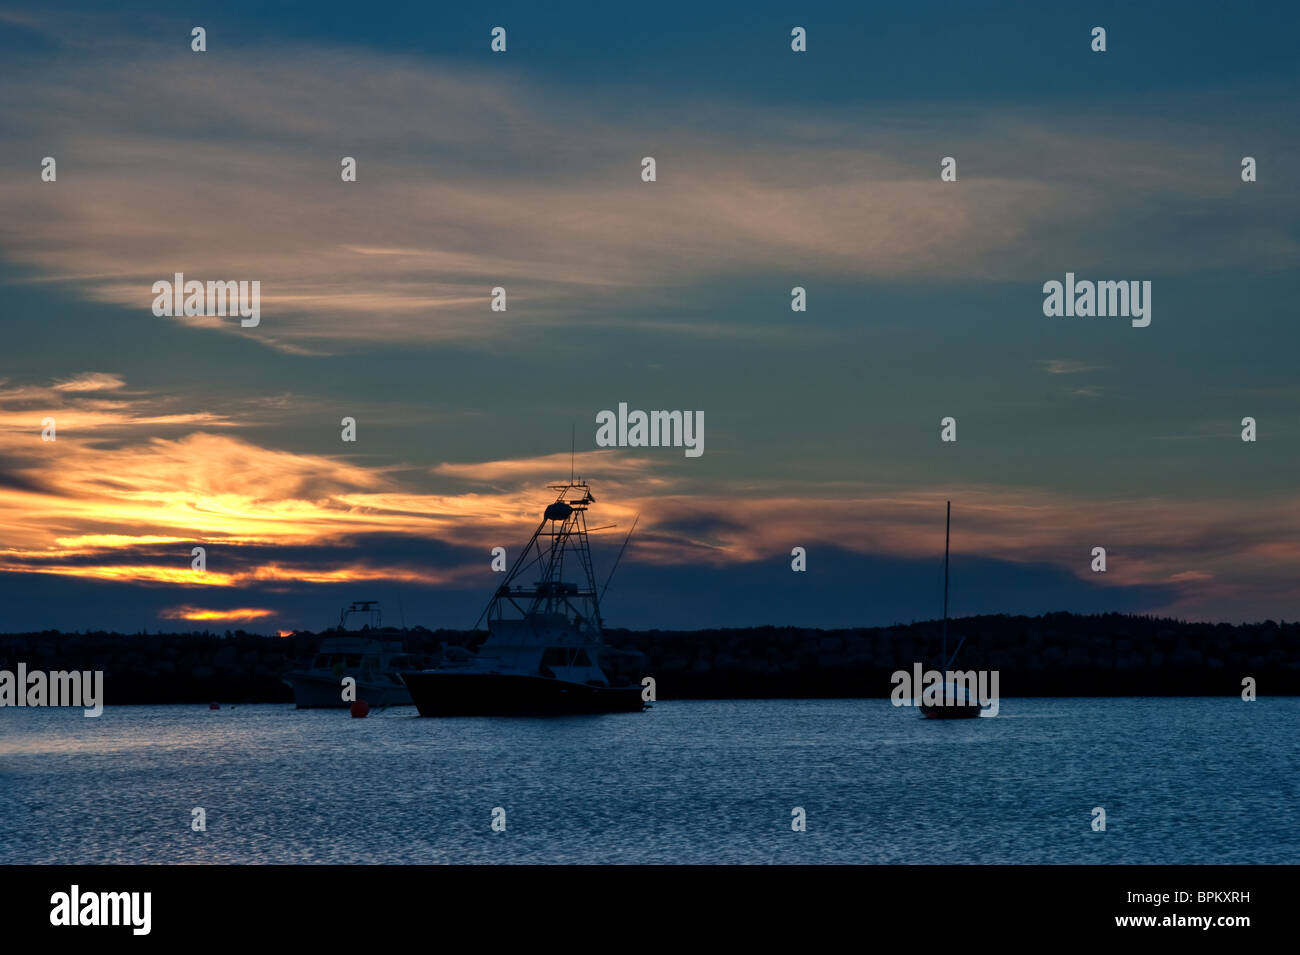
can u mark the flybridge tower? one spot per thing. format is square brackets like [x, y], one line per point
[553, 582]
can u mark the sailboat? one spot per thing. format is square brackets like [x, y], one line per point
[544, 652]
[956, 703]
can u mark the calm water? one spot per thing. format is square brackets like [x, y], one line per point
[1186, 780]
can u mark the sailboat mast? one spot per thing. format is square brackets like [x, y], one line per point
[947, 525]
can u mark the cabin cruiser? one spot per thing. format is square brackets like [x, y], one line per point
[371, 660]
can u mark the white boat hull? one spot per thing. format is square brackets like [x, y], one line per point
[313, 691]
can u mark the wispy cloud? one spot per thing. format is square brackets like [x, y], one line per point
[520, 185]
[91, 381]
[1065, 366]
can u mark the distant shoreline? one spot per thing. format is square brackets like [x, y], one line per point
[1054, 655]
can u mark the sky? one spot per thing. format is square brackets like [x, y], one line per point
[522, 170]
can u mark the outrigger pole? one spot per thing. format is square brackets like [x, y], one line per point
[619, 557]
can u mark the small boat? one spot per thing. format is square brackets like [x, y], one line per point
[955, 702]
[372, 658]
[544, 653]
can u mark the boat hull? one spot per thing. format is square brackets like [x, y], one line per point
[311, 691]
[447, 693]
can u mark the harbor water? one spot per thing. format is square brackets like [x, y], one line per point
[1181, 780]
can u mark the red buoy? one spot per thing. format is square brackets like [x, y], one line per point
[360, 709]
[214, 706]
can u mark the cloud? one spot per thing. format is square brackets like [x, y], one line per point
[607, 463]
[131, 509]
[201, 614]
[524, 186]
[1064, 366]
[75, 411]
[91, 381]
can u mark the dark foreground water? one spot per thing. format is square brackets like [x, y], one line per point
[1181, 780]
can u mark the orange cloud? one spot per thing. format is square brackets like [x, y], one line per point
[84, 507]
[200, 614]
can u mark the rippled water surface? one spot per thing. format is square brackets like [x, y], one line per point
[1181, 780]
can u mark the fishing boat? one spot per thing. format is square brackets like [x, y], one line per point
[372, 657]
[955, 702]
[544, 653]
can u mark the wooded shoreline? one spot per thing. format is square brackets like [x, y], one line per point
[1058, 654]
